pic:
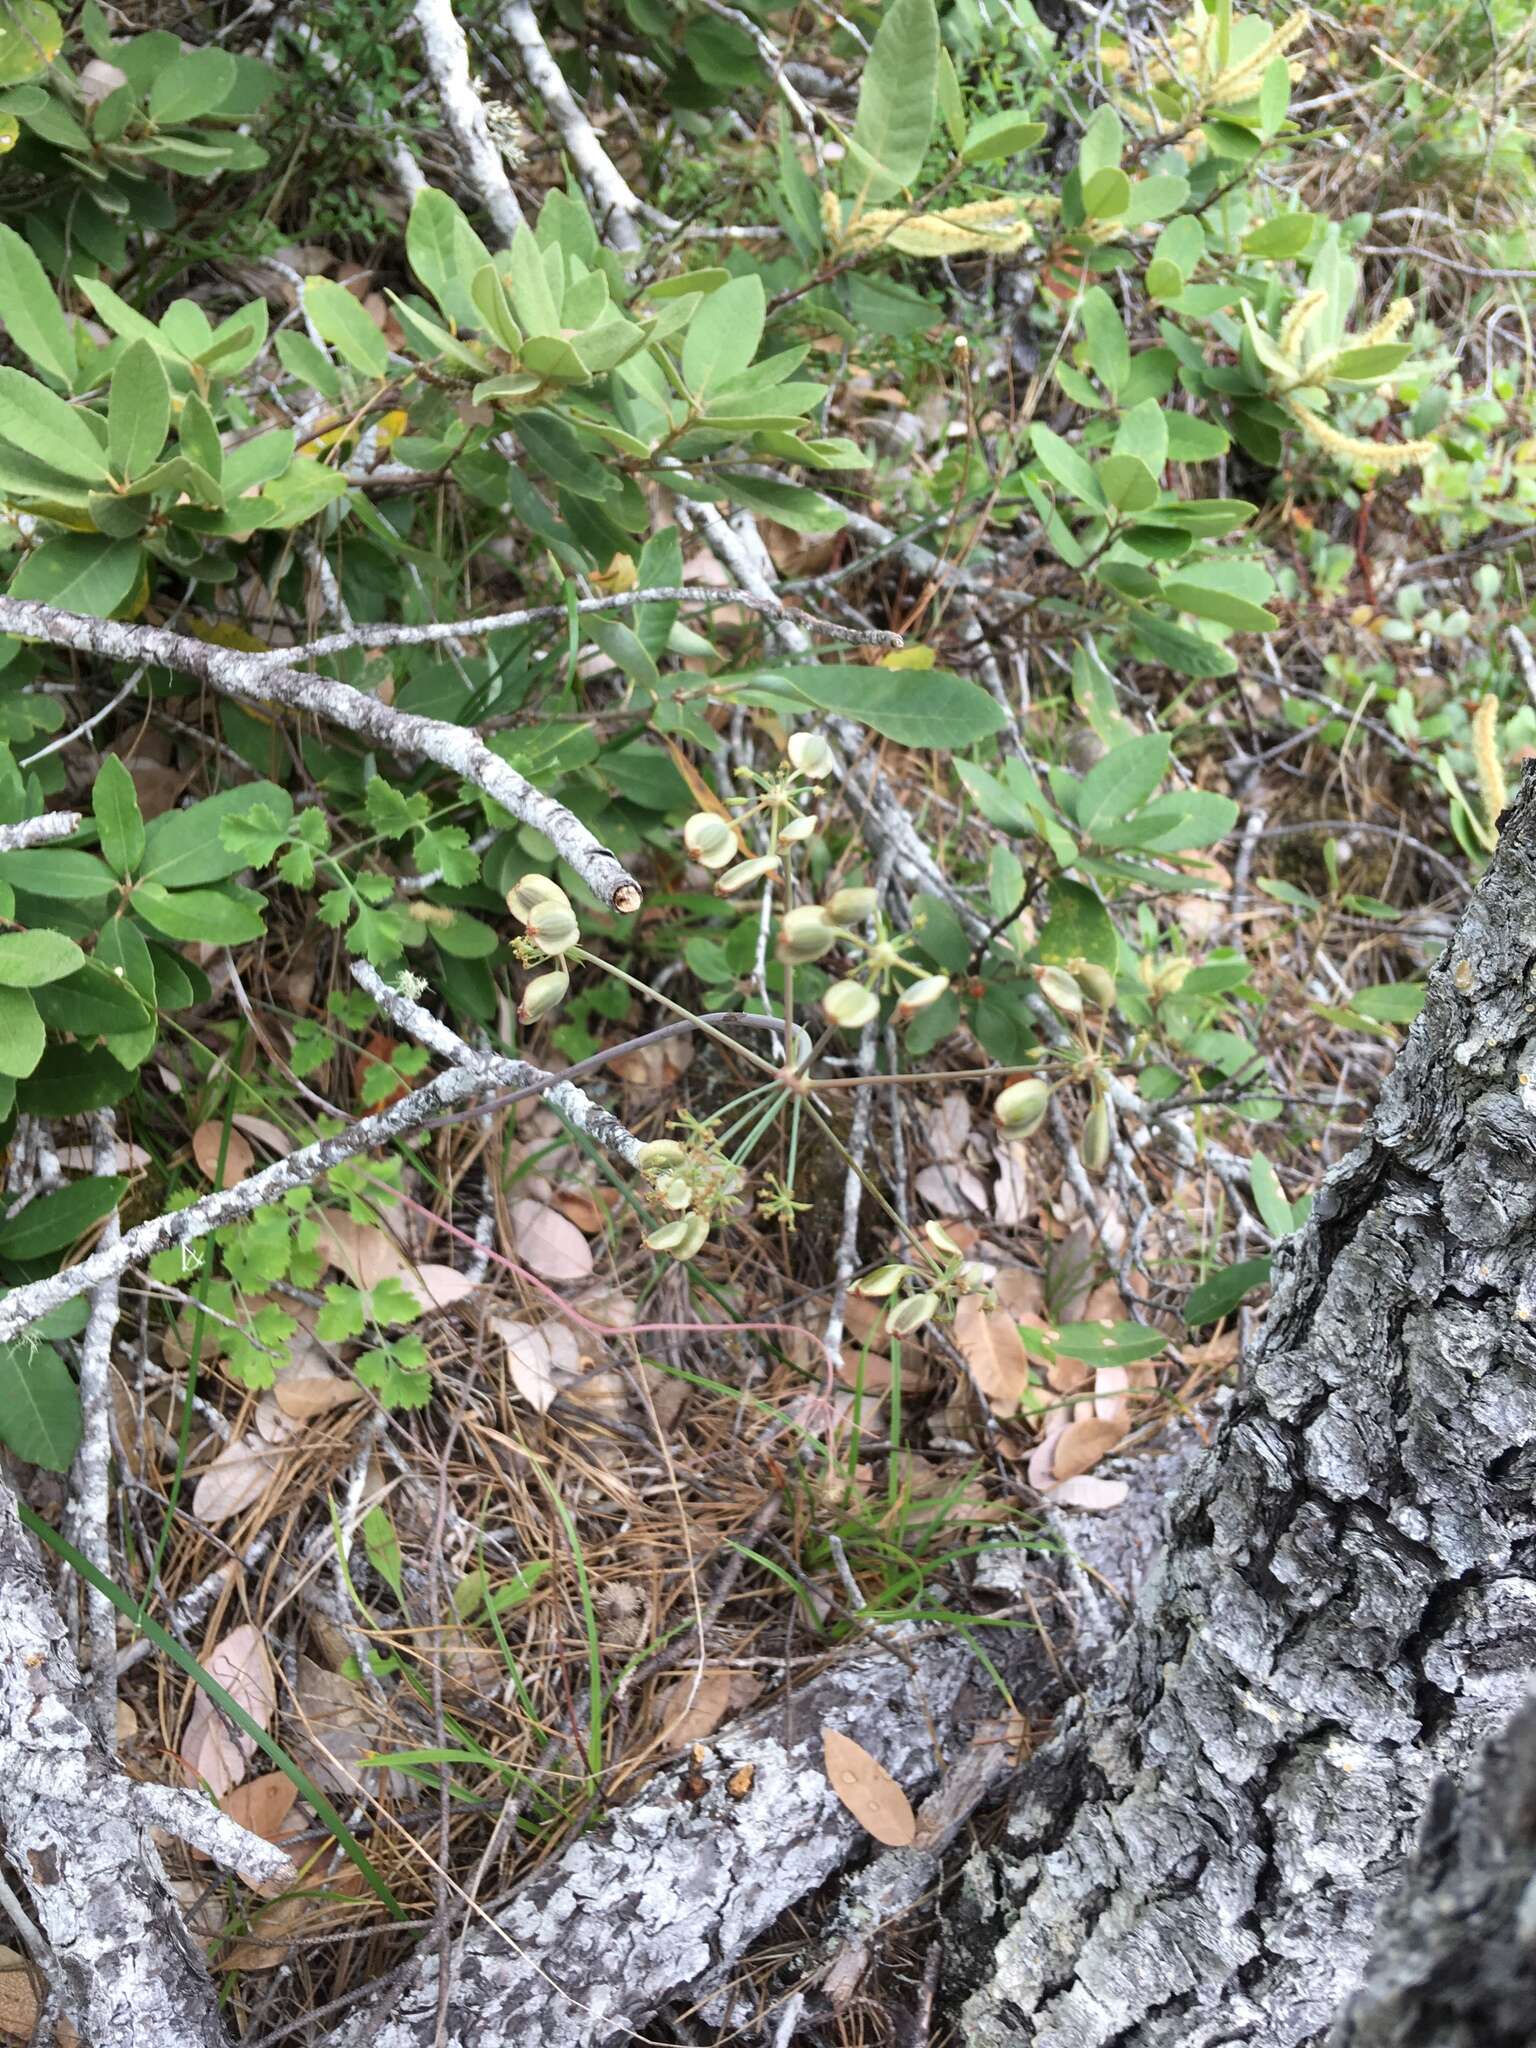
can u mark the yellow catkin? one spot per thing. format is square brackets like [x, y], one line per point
[1379, 454]
[1491, 786]
[1241, 81]
[1298, 320]
[997, 226]
[1389, 327]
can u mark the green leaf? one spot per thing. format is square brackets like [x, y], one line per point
[21, 1033]
[94, 1003]
[185, 848]
[30, 309]
[37, 421]
[63, 872]
[792, 505]
[1102, 146]
[1367, 365]
[1063, 463]
[1173, 824]
[915, 708]
[28, 959]
[1109, 353]
[1221, 1293]
[1078, 928]
[198, 437]
[31, 36]
[1104, 1344]
[39, 1401]
[1143, 435]
[1125, 778]
[1000, 135]
[555, 450]
[1187, 653]
[1226, 607]
[193, 86]
[1193, 440]
[1127, 483]
[723, 335]
[445, 252]
[1269, 1197]
[1283, 237]
[1106, 195]
[1389, 1002]
[1155, 198]
[138, 410]
[80, 572]
[341, 321]
[897, 98]
[951, 104]
[211, 917]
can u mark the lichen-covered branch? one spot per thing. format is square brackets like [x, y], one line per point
[473, 1074]
[618, 210]
[77, 1833]
[447, 59]
[250, 679]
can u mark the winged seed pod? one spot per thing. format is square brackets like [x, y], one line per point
[798, 830]
[922, 995]
[746, 872]
[680, 1239]
[812, 755]
[850, 1005]
[911, 1314]
[851, 906]
[660, 1154]
[1095, 1140]
[1060, 990]
[806, 934]
[710, 839]
[883, 1281]
[1021, 1107]
[524, 897]
[553, 927]
[544, 993]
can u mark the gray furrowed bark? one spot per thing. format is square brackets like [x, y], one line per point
[1455, 1958]
[1346, 1606]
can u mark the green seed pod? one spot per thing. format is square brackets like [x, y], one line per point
[659, 1154]
[681, 1239]
[1060, 990]
[526, 894]
[851, 906]
[1021, 1107]
[710, 839]
[1097, 983]
[882, 1282]
[544, 993]
[1095, 1141]
[553, 926]
[911, 1314]
[922, 995]
[850, 1005]
[805, 934]
[745, 873]
[812, 755]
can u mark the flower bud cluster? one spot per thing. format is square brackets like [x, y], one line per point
[717, 842]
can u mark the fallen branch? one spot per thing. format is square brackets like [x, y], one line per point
[251, 679]
[78, 1832]
[447, 59]
[618, 208]
[640, 1911]
[479, 1073]
[90, 1476]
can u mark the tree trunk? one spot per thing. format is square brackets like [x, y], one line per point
[1346, 1605]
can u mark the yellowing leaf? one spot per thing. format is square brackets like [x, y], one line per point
[868, 1790]
[909, 657]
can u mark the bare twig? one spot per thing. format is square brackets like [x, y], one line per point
[38, 831]
[90, 1477]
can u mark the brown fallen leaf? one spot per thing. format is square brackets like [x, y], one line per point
[582, 1208]
[438, 1286]
[265, 1133]
[1082, 1444]
[363, 1254]
[236, 1480]
[542, 1358]
[868, 1790]
[547, 1244]
[213, 1750]
[1087, 1492]
[991, 1346]
[691, 1712]
[262, 1804]
[207, 1142]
